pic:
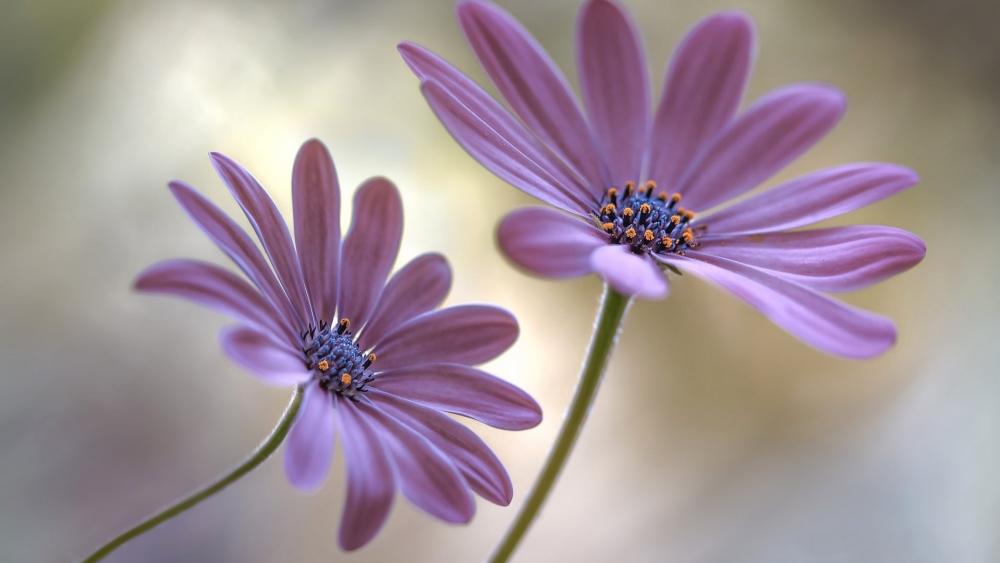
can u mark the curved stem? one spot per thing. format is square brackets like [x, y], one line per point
[606, 328]
[263, 451]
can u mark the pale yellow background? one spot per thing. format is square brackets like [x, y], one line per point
[716, 438]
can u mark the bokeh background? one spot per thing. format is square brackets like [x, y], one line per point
[724, 440]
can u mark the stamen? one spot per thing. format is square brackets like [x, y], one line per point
[644, 223]
[345, 324]
[323, 365]
[345, 378]
[369, 360]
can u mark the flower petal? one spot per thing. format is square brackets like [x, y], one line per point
[316, 206]
[271, 229]
[702, 90]
[503, 152]
[371, 480]
[628, 273]
[480, 467]
[418, 287]
[272, 362]
[214, 287]
[548, 243]
[812, 198]
[464, 334]
[466, 391]
[309, 448]
[531, 83]
[824, 323]
[370, 249]
[771, 133]
[836, 259]
[615, 86]
[430, 67]
[426, 476]
[235, 243]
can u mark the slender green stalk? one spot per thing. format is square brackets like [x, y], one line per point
[263, 451]
[606, 328]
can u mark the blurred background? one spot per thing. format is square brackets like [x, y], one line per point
[735, 443]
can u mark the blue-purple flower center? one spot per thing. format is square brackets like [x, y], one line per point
[646, 222]
[337, 362]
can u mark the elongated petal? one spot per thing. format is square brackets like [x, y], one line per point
[628, 273]
[465, 334]
[214, 287]
[758, 144]
[430, 67]
[824, 323]
[418, 287]
[836, 259]
[548, 243]
[504, 154]
[272, 362]
[702, 90]
[615, 86]
[531, 83]
[316, 206]
[235, 243]
[271, 229]
[371, 480]
[370, 248]
[470, 455]
[426, 476]
[813, 198]
[466, 391]
[309, 449]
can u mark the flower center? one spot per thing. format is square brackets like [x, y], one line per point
[644, 222]
[337, 362]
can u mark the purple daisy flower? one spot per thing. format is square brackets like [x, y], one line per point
[318, 315]
[630, 180]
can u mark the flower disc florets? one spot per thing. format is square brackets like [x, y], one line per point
[644, 221]
[336, 360]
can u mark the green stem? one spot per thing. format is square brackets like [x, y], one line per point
[263, 451]
[609, 320]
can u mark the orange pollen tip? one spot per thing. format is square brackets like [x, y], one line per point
[667, 241]
[645, 208]
[627, 212]
[688, 236]
[345, 322]
[630, 232]
[675, 219]
[345, 378]
[651, 184]
[609, 209]
[649, 235]
[675, 198]
[688, 214]
[662, 196]
[630, 185]
[323, 365]
[372, 357]
[612, 192]
[608, 227]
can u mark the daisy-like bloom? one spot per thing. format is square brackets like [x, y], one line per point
[640, 190]
[379, 363]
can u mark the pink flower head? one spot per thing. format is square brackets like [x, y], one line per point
[639, 191]
[379, 362]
